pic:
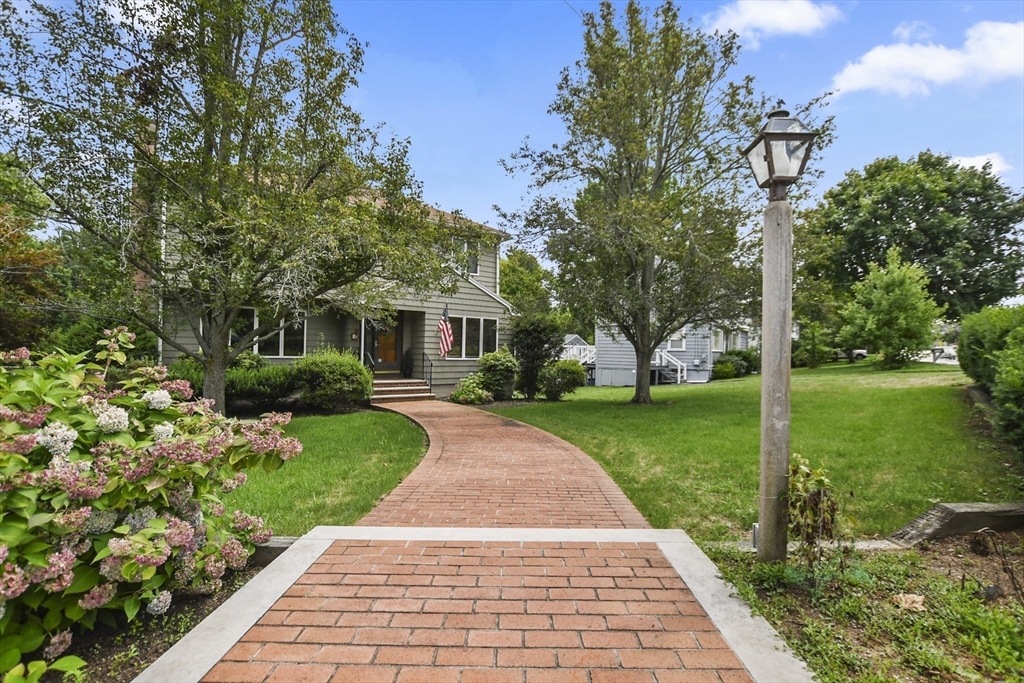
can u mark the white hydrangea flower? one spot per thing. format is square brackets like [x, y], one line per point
[111, 420]
[56, 437]
[163, 431]
[158, 400]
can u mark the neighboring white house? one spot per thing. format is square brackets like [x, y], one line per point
[687, 356]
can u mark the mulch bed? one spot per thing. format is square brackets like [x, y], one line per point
[973, 560]
[119, 654]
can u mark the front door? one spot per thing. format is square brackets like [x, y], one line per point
[387, 344]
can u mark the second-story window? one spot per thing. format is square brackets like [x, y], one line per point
[473, 258]
[677, 341]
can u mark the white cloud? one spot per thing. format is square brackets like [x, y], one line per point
[999, 164]
[992, 51]
[754, 19]
[913, 30]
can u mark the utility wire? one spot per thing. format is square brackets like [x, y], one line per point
[572, 8]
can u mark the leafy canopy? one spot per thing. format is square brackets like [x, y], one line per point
[962, 225]
[640, 206]
[207, 147]
[891, 311]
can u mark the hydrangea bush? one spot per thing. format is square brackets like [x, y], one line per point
[109, 498]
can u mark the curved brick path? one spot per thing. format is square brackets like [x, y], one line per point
[484, 470]
[575, 587]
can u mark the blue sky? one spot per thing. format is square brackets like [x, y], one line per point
[468, 80]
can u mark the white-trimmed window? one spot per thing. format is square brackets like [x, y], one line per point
[718, 341]
[677, 341]
[473, 258]
[289, 342]
[473, 337]
[734, 341]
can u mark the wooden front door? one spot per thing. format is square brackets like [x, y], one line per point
[387, 348]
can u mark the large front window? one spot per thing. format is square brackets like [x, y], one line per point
[289, 342]
[473, 337]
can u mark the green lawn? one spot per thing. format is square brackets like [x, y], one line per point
[348, 462]
[900, 441]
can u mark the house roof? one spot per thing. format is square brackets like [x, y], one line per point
[575, 340]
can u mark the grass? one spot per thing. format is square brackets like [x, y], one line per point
[347, 464]
[900, 441]
[847, 628]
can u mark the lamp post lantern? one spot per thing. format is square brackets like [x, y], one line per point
[777, 157]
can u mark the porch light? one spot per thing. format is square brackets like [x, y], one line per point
[779, 153]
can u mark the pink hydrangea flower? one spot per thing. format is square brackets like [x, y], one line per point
[234, 553]
[214, 567]
[110, 568]
[73, 519]
[160, 603]
[13, 581]
[234, 482]
[59, 642]
[181, 387]
[98, 596]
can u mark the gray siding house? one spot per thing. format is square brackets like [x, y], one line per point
[478, 315]
[686, 357]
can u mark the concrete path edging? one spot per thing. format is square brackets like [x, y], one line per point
[757, 645]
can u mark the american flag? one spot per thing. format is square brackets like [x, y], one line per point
[444, 327]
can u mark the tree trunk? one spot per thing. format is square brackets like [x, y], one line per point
[642, 395]
[215, 375]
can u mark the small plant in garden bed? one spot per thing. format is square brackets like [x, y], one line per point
[109, 499]
[887, 616]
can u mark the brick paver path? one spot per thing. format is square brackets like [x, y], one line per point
[423, 611]
[483, 470]
[484, 612]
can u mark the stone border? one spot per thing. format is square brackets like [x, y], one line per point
[758, 646]
[956, 519]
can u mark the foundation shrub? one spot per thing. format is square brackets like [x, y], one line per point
[723, 370]
[560, 378]
[498, 373]
[328, 379]
[470, 391]
[110, 499]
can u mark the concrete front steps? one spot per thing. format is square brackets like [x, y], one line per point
[393, 390]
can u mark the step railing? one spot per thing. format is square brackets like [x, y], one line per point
[663, 358]
[428, 371]
[368, 361]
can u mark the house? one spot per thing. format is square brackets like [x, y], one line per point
[478, 316]
[687, 356]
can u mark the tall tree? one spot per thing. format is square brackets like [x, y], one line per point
[962, 225]
[524, 282]
[891, 311]
[641, 204]
[207, 147]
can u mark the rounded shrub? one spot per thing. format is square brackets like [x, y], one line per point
[560, 378]
[328, 379]
[723, 370]
[110, 498]
[739, 363]
[470, 392]
[498, 373]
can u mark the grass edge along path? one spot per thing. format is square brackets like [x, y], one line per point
[348, 463]
[899, 441]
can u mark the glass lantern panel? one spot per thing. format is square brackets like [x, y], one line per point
[788, 155]
[758, 164]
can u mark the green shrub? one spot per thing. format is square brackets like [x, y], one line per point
[249, 360]
[498, 373]
[560, 378]
[723, 370]
[470, 392]
[110, 499]
[537, 340]
[328, 379]
[982, 336]
[1008, 392]
[408, 364]
[264, 387]
[739, 363]
[81, 338]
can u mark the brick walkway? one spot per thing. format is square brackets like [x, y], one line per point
[573, 588]
[483, 470]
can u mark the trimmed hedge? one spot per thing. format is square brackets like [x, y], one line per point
[250, 378]
[329, 379]
[982, 336]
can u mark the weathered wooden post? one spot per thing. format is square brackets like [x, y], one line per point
[777, 157]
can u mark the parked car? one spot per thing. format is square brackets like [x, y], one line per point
[860, 354]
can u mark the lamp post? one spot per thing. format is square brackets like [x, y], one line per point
[777, 157]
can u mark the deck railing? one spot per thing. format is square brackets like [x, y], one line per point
[584, 354]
